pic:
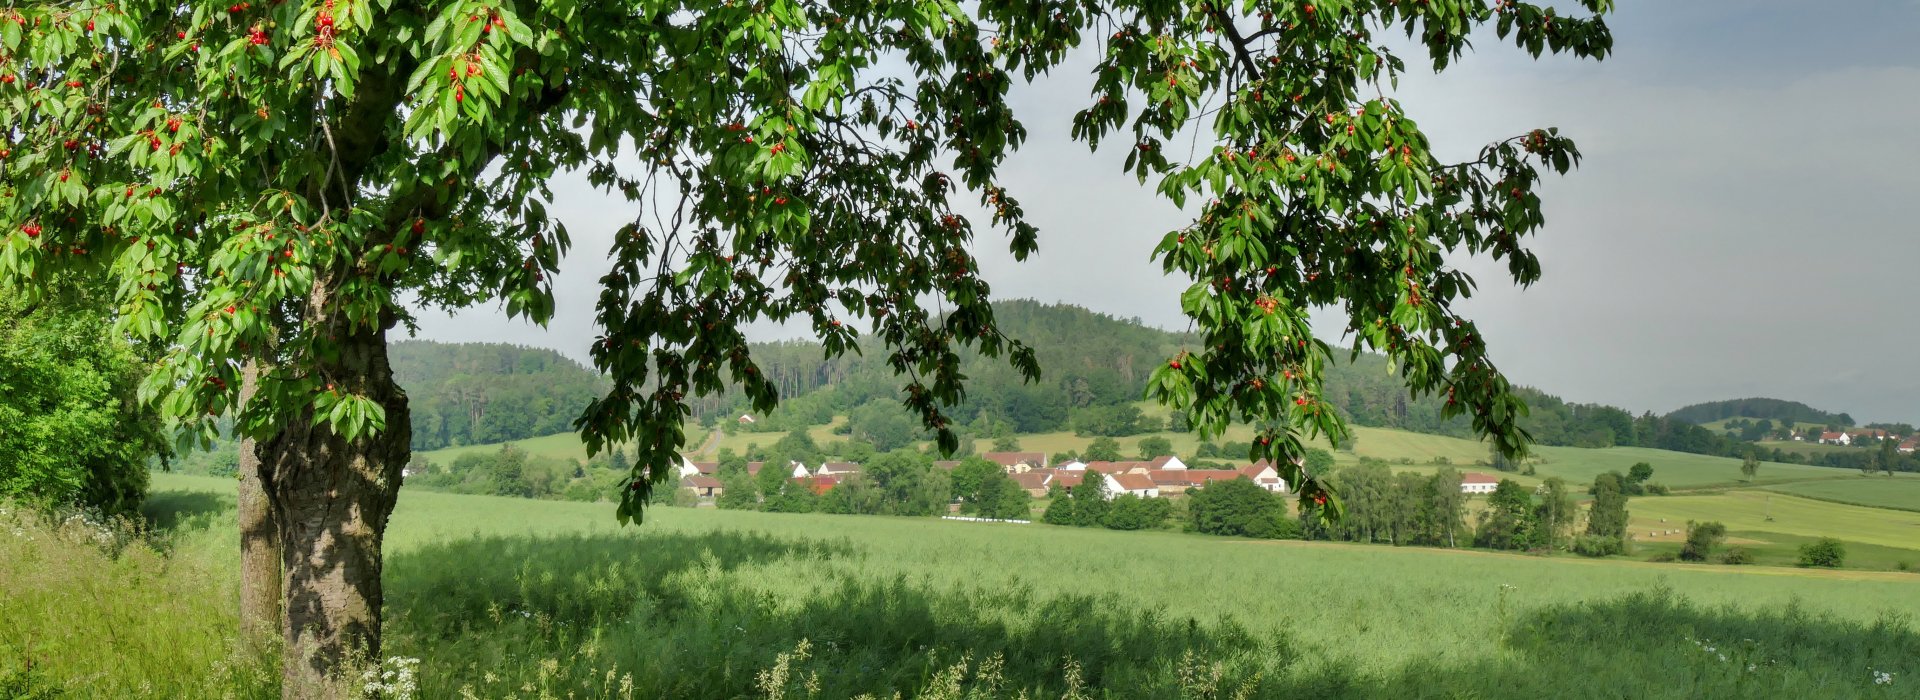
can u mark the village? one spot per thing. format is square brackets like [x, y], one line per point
[1160, 477]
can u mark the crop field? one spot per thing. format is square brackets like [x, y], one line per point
[1901, 493]
[503, 597]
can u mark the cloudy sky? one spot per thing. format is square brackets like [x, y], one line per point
[1744, 223]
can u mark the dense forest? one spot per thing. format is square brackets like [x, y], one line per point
[475, 393]
[1771, 409]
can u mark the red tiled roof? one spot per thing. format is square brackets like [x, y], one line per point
[1036, 479]
[1134, 482]
[1830, 436]
[1478, 478]
[1008, 459]
[1253, 471]
[818, 484]
[753, 468]
[707, 467]
[1117, 467]
[1161, 461]
[700, 481]
[1068, 479]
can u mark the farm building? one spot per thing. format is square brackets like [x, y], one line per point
[1476, 482]
[1167, 462]
[702, 485]
[1035, 481]
[1265, 476]
[1836, 439]
[837, 469]
[1016, 462]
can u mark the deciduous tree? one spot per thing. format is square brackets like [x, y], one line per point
[265, 183]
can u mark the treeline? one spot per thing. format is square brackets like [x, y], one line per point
[1773, 409]
[1409, 509]
[480, 393]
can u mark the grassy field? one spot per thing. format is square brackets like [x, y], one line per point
[505, 597]
[1901, 493]
[1811, 449]
[1764, 511]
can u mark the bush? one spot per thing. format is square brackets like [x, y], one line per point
[1597, 546]
[1701, 539]
[1239, 508]
[1826, 552]
[1737, 556]
[1663, 558]
[1657, 490]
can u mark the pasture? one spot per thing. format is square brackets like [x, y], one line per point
[1902, 493]
[504, 597]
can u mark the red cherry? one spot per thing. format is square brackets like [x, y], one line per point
[1174, 364]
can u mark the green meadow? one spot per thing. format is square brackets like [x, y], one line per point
[502, 597]
[1875, 491]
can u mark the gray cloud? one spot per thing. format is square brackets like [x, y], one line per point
[1742, 224]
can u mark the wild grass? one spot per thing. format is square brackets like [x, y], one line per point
[515, 598]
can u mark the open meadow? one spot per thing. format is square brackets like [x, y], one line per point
[508, 597]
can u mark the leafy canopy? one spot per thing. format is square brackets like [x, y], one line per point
[265, 181]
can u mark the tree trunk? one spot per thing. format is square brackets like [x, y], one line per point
[259, 541]
[332, 497]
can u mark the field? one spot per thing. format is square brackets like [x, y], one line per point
[1811, 449]
[526, 598]
[1878, 492]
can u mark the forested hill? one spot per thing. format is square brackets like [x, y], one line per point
[473, 393]
[1773, 409]
[1095, 366]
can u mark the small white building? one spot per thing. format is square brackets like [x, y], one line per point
[1478, 483]
[1072, 465]
[1136, 484]
[1265, 476]
[1840, 438]
[1167, 462]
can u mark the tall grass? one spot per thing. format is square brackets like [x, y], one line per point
[504, 598]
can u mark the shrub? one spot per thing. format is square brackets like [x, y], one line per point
[1826, 552]
[1737, 556]
[1239, 508]
[1701, 539]
[1663, 558]
[1657, 490]
[1903, 565]
[1597, 546]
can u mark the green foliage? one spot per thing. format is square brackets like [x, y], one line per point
[1508, 521]
[738, 491]
[1059, 507]
[1403, 508]
[998, 496]
[1006, 443]
[1824, 552]
[71, 432]
[1109, 421]
[1597, 546]
[1156, 446]
[1239, 508]
[1103, 449]
[1640, 473]
[1736, 556]
[1607, 516]
[1702, 538]
[478, 393]
[968, 478]
[1131, 512]
[1091, 501]
[1749, 467]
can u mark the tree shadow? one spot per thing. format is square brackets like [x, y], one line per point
[732, 615]
[167, 510]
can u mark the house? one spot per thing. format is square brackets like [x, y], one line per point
[1118, 467]
[1265, 476]
[1136, 484]
[819, 485]
[1476, 482]
[746, 419]
[1875, 434]
[703, 486]
[1016, 462]
[687, 467]
[798, 470]
[1912, 444]
[1836, 439]
[837, 469]
[1168, 462]
[1072, 465]
[1067, 479]
[1035, 481]
[707, 468]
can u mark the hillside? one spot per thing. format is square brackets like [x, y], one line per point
[1775, 410]
[478, 393]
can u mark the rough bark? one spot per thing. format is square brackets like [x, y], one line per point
[259, 542]
[332, 498]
